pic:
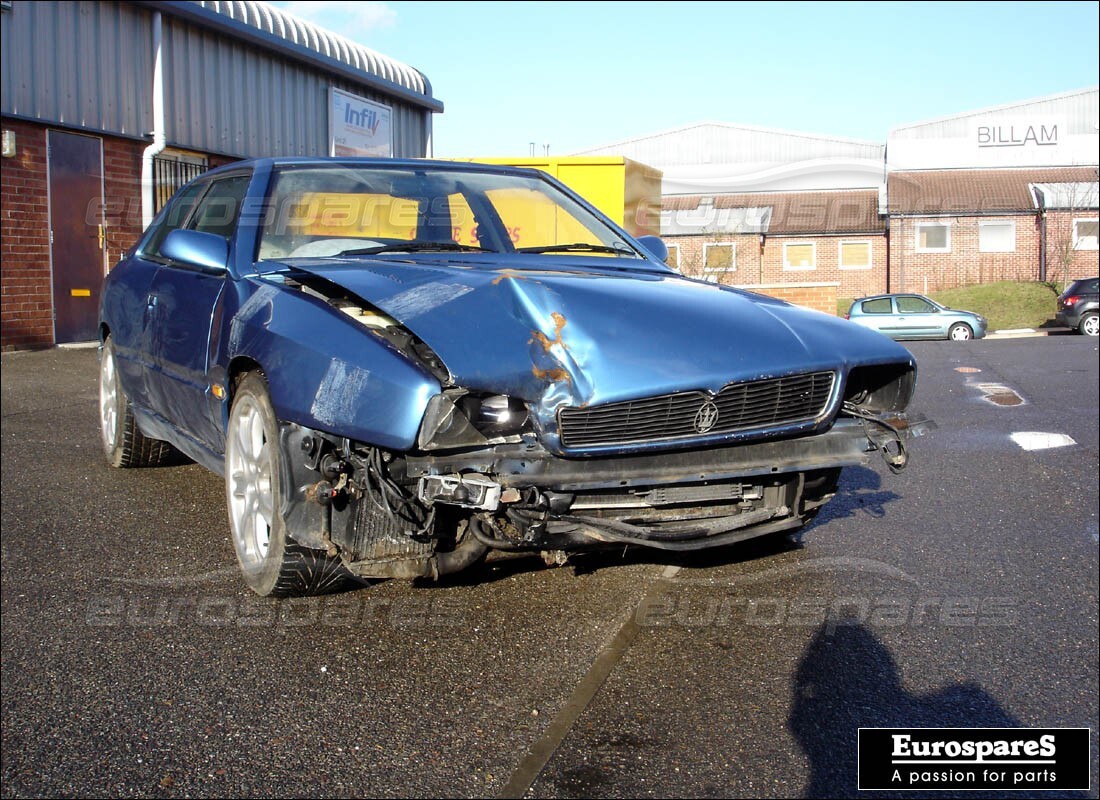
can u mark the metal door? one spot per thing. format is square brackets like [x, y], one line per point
[77, 255]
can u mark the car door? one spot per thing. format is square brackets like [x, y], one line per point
[129, 308]
[876, 314]
[184, 301]
[917, 317]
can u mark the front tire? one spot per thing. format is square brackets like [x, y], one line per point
[1090, 324]
[124, 444]
[273, 564]
[960, 332]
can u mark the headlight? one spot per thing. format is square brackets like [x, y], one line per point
[456, 419]
[499, 414]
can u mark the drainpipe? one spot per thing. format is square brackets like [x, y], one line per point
[1039, 196]
[159, 137]
[886, 237]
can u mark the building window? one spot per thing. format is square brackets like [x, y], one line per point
[855, 255]
[719, 259]
[799, 255]
[171, 170]
[933, 237]
[673, 259]
[997, 237]
[1085, 234]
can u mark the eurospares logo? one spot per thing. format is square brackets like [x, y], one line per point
[974, 759]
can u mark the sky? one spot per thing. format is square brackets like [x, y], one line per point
[576, 75]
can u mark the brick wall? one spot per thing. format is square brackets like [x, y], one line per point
[122, 195]
[26, 304]
[1081, 263]
[915, 271]
[818, 296]
[692, 260]
[767, 267]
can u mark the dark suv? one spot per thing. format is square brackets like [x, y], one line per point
[1077, 307]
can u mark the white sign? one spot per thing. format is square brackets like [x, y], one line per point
[992, 141]
[358, 127]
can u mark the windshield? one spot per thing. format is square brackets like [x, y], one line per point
[351, 210]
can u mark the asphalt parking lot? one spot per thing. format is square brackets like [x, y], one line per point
[963, 592]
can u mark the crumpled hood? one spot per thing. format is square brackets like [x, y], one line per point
[588, 337]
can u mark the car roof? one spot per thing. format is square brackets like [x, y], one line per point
[393, 163]
[891, 294]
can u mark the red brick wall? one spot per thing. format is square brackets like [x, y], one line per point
[122, 195]
[818, 296]
[913, 271]
[767, 267]
[1081, 263]
[26, 305]
[747, 246]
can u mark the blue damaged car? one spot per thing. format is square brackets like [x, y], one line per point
[398, 366]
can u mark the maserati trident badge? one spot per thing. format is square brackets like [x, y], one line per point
[706, 417]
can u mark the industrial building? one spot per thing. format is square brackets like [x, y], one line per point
[131, 99]
[1002, 193]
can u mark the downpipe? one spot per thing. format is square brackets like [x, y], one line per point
[160, 137]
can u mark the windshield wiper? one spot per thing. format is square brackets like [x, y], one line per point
[414, 247]
[578, 247]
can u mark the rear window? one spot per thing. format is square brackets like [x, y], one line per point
[879, 306]
[1087, 286]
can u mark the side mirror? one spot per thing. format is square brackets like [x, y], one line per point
[196, 249]
[655, 247]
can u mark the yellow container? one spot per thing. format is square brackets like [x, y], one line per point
[627, 191]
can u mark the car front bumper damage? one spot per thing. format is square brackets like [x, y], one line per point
[412, 515]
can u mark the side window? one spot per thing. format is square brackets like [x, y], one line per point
[221, 206]
[175, 216]
[879, 306]
[915, 305]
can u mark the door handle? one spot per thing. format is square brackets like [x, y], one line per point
[150, 308]
[102, 236]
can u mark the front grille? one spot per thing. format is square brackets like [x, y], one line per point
[750, 406]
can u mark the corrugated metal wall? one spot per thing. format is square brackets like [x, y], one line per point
[1079, 109]
[90, 65]
[85, 64]
[728, 144]
[256, 104]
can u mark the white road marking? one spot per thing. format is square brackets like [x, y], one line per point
[1035, 440]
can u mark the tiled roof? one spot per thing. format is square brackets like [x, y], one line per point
[971, 190]
[847, 211]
